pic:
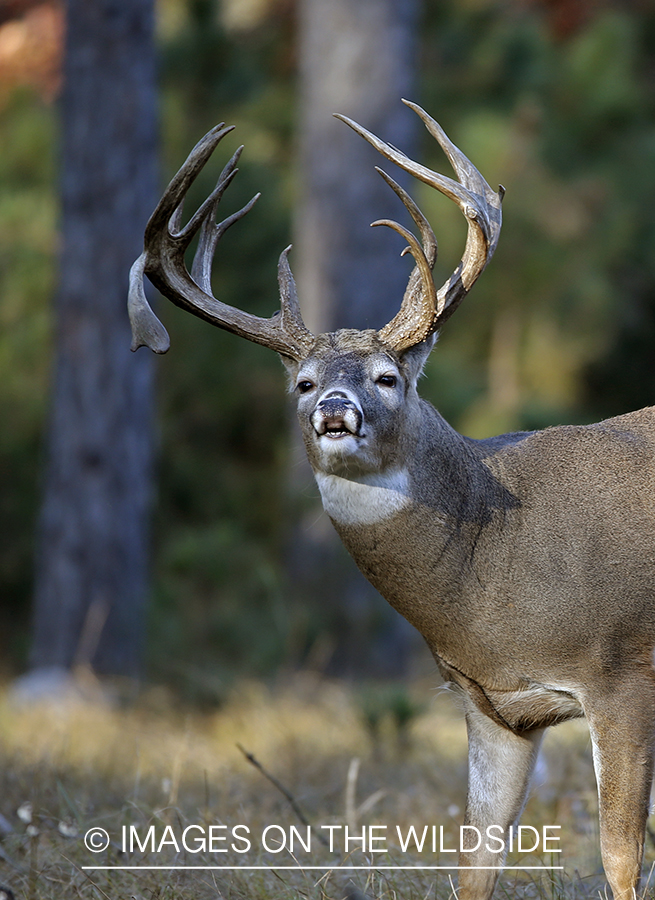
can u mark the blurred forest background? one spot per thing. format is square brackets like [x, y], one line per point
[555, 99]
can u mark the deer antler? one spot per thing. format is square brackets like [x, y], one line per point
[162, 260]
[424, 309]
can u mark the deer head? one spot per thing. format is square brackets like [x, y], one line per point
[344, 427]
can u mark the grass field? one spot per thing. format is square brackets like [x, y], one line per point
[155, 776]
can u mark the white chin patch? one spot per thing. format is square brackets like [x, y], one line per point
[365, 501]
[343, 445]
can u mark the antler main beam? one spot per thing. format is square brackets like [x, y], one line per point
[162, 260]
[418, 318]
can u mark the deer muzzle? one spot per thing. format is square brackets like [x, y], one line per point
[336, 416]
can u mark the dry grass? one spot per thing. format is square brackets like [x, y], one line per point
[67, 769]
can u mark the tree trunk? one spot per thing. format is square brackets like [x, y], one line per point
[92, 548]
[356, 58]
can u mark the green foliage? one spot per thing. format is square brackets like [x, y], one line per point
[566, 123]
[560, 328]
[27, 257]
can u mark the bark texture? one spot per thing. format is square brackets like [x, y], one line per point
[356, 59]
[92, 548]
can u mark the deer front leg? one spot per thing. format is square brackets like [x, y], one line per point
[500, 766]
[622, 729]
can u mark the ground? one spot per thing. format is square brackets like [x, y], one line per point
[298, 761]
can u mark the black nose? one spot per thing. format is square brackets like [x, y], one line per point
[335, 404]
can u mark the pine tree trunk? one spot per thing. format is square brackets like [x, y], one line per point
[92, 548]
[356, 58]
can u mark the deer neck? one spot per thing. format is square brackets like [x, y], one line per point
[367, 499]
[422, 523]
[437, 468]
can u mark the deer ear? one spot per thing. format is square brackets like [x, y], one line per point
[291, 366]
[414, 358]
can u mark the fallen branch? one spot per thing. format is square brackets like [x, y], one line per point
[285, 793]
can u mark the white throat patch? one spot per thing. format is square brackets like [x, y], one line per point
[366, 501]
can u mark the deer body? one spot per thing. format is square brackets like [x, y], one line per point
[526, 561]
[502, 552]
[507, 612]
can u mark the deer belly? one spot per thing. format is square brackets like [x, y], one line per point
[536, 706]
[523, 707]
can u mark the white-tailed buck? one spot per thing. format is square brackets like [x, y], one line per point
[526, 561]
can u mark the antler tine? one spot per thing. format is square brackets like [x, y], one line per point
[290, 306]
[427, 234]
[167, 213]
[210, 231]
[480, 205]
[483, 214]
[418, 306]
[163, 262]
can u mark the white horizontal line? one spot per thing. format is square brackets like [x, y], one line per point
[321, 868]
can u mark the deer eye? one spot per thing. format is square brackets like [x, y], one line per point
[304, 386]
[387, 380]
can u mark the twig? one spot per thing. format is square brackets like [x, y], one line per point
[351, 788]
[285, 793]
[87, 876]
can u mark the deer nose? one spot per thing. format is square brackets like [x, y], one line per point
[334, 404]
[336, 414]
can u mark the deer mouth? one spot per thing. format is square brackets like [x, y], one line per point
[335, 430]
[336, 419]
